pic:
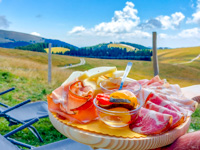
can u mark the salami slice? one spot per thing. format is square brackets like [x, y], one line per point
[178, 118]
[151, 122]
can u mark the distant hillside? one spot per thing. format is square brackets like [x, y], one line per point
[12, 39]
[123, 46]
[102, 45]
[37, 47]
[128, 46]
[137, 46]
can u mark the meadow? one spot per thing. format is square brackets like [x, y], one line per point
[57, 49]
[122, 46]
[27, 72]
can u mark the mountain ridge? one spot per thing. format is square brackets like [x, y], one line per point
[12, 39]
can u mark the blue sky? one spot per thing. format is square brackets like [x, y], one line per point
[90, 22]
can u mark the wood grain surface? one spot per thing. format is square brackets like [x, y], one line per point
[115, 143]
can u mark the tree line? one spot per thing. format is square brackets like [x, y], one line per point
[38, 47]
[110, 53]
[97, 52]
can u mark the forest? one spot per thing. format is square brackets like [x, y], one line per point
[100, 52]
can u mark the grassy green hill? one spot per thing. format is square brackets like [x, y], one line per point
[98, 46]
[27, 71]
[123, 46]
[128, 46]
[180, 55]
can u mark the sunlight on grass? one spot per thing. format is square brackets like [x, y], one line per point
[123, 46]
[57, 49]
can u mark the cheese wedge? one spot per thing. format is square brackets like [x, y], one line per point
[83, 76]
[100, 79]
[76, 74]
[93, 84]
[116, 74]
[99, 71]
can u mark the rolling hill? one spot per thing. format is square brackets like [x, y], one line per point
[123, 46]
[12, 39]
[128, 46]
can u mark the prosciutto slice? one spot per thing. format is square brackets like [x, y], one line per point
[169, 92]
[84, 114]
[151, 122]
[185, 103]
[75, 108]
[154, 82]
[167, 104]
[178, 118]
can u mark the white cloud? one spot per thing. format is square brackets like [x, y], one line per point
[77, 29]
[139, 34]
[150, 24]
[125, 26]
[190, 33]
[4, 23]
[166, 36]
[171, 22]
[122, 22]
[195, 16]
[198, 5]
[163, 36]
[163, 22]
[36, 34]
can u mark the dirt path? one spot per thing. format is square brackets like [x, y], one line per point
[79, 64]
[189, 61]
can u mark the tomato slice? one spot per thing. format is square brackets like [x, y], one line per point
[103, 99]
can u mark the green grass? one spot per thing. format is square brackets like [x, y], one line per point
[25, 89]
[15, 71]
[57, 60]
[179, 55]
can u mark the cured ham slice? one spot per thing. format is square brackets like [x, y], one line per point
[84, 114]
[169, 92]
[177, 117]
[154, 82]
[60, 96]
[183, 102]
[151, 122]
[67, 104]
[167, 104]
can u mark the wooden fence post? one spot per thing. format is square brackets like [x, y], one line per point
[49, 64]
[155, 57]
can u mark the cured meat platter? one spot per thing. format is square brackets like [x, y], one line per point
[110, 142]
[145, 114]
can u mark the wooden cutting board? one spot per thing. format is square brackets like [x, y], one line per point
[115, 143]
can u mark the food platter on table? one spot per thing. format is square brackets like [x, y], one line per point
[96, 140]
[97, 137]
